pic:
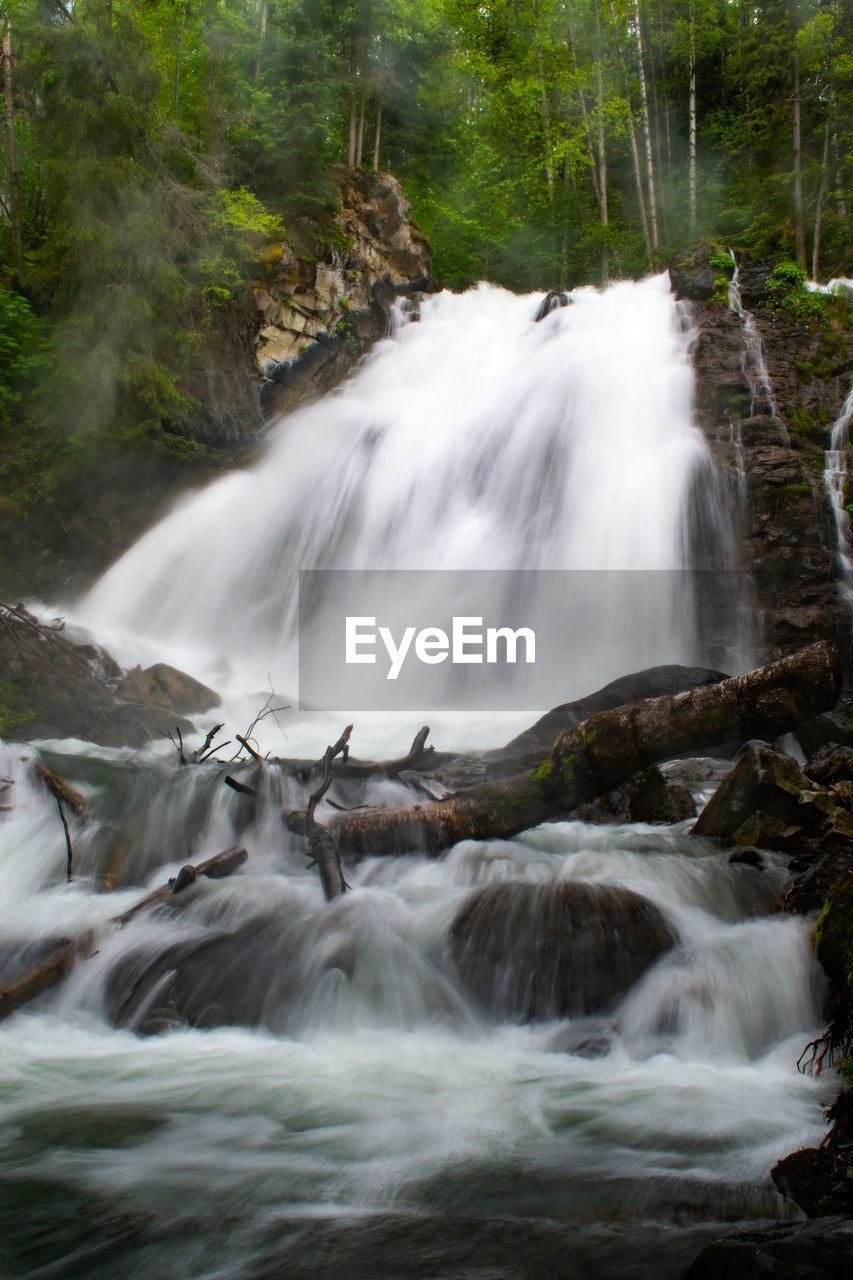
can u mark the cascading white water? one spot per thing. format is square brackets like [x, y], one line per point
[472, 439]
[358, 1112]
[835, 480]
[754, 365]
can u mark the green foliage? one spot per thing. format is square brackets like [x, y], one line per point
[786, 275]
[15, 712]
[20, 351]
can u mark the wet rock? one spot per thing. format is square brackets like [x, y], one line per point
[834, 726]
[800, 1251]
[240, 978]
[820, 1179]
[654, 682]
[165, 686]
[766, 800]
[551, 302]
[645, 797]
[53, 689]
[585, 1038]
[690, 272]
[534, 951]
[748, 858]
[788, 541]
[831, 765]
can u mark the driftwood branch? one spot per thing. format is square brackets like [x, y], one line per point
[241, 788]
[600, 753]
[60, 789]
[321, 844]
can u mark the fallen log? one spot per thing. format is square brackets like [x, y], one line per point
[600, 753]
[42, 975]
[51, 969]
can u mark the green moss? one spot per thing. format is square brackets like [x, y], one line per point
[834, 936]
[15, 711]
[793, 493]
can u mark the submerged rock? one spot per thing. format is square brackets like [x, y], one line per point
[539, 951]
[239, 978]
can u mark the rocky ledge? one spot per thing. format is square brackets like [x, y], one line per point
[318, 312]
[772, 378]
[57, 684]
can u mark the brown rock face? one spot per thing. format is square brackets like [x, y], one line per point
[318, 313]
[165, 686]
[533, 951]
[772, 466]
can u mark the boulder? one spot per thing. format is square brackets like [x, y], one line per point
[646, 797]
[796, 1251]
[241, 978]
[834, 726]
[766, 800]
[165, 686]
[566, 949]
[690, 272]
[53, 687]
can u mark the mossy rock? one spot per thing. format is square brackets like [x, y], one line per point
[834, 936]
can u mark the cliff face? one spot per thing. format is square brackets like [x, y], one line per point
[317, 314]
[769, 430]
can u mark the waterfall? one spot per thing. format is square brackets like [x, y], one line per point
[245, 1080]
[835, 480]
[473, 438]
[754, 365]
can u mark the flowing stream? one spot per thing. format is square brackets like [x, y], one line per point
[344, 1106]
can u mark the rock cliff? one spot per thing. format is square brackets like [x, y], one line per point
[769, 428]
[317, 314]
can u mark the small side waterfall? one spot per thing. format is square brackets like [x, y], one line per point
[835, 479]
[754, 364]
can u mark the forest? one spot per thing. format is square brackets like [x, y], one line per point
[152, 150]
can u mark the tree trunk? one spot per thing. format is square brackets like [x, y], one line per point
[692, 165]
[598, 755]
[647, 128]
[638, 174]
[11, 155]
[352, 106]
[377, 135]
[180, 43]
[546, 123]
[799, 211]
[602, 153]
[840, 200]
[818, 217]
[587, 126]
[262, 35]
[359, 143]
